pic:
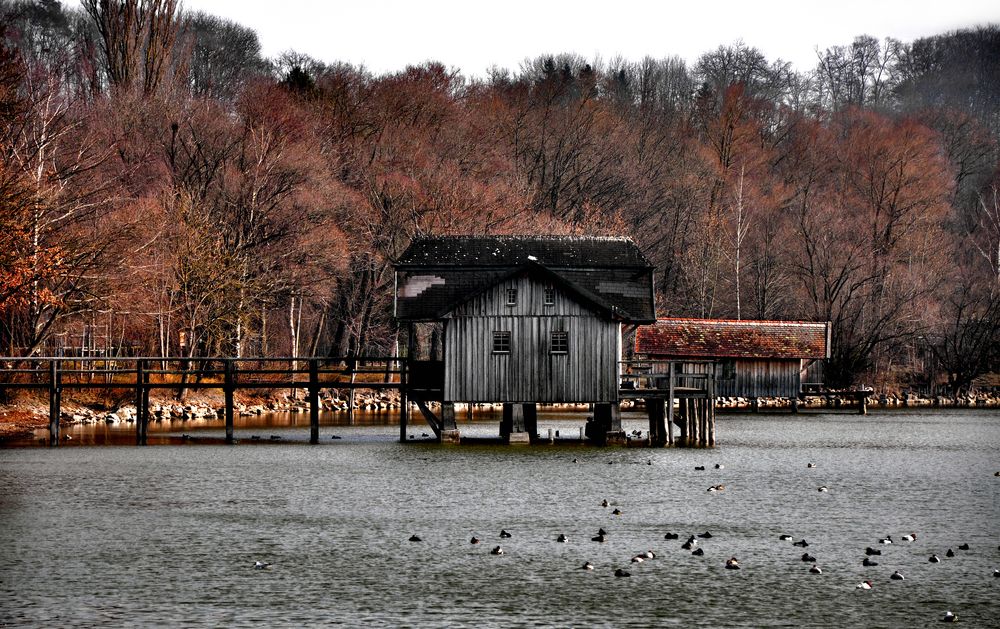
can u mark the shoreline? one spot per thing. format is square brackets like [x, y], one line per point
[21, 419]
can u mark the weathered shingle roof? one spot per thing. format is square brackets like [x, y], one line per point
[549, 251]
[609, 274]
[718, 338]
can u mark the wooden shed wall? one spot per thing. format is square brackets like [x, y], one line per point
[754, 378]
[588, 372]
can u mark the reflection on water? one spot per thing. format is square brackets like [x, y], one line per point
[168, 535]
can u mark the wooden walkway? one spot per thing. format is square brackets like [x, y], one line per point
[142, 375]
[658, 383]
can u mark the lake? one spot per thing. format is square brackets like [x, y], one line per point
[167, 535]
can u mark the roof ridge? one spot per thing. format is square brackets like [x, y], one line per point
[742, 321]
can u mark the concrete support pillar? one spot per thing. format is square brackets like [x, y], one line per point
[449, 428]
[516, 422]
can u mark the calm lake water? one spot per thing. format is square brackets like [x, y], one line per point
[168, 535]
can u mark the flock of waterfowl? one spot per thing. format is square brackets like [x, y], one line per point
[732, 563]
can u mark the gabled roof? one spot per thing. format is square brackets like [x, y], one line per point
[720, 338]
[609, 275]
[549, 251]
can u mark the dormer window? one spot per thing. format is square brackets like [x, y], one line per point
[511, 296]
[549, 299]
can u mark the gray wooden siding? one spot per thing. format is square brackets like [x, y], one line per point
[754, 378]
[530, 372]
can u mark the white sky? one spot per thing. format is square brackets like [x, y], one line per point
[388, 35]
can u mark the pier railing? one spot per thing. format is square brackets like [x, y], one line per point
[141, 375]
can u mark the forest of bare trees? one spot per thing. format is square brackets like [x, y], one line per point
[166, 190]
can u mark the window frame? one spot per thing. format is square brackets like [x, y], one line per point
[511, 297]
[549, 296]
[564, 344]
[501, 338]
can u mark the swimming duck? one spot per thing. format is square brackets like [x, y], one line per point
[806, 557]
[690, 543]
[504, 533]
[810, 465]
[868, 563]
[801, 543]
[784, 538]
[720, 466]
[949, 617]
[260, 565]
[474, 540]
[698, 552]
[910, 537]
[415, 538]
[648, 554]
[496, 551]
[717, 488]
[598, 538]
[699, 468]
[822, 488]
[732, 564]
[963, 547]
[996, 573]
[617, 511]
[587, 566]
[815, 570]
[886, 540]
[638, 559]
[601, 531]
[671, 536]
[620, 572]
[934, 559]
[604, 503]
[896, 576]
[872, 551]
[705, 535]
[562, 538]
[950, 553]
[864, 585]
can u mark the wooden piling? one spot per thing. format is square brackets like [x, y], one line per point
[229, 386]
[351, 365]
[862, 402]
[404, 402]
[670, 404]
[313, 401]
[55, 394]
[141, 416]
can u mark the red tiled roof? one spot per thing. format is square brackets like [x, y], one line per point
[718, 338]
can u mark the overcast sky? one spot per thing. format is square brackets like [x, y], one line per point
[388, 35]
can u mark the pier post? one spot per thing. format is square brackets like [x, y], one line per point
[404, 402]
[530, 412]
[141, 416]
[670, 404]
[313, 401]
[55, 394]
[862, 402]
[228, 388]
[656, 409]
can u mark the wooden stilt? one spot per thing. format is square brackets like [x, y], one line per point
[229, 386]
[530, 412]
[313, 400]
[351, 364]
[670, 405]
[141, 417]
[404, 400]
[55, 393]
[862, 402]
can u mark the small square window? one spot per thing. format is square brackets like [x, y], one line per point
[550, 297]
[501, 342]
[511, 296]
[559, 342]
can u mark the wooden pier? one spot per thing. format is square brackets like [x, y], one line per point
[658, 383]
[141, 375]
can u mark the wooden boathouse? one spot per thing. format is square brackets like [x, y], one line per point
[523, 320]
[755, 359]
